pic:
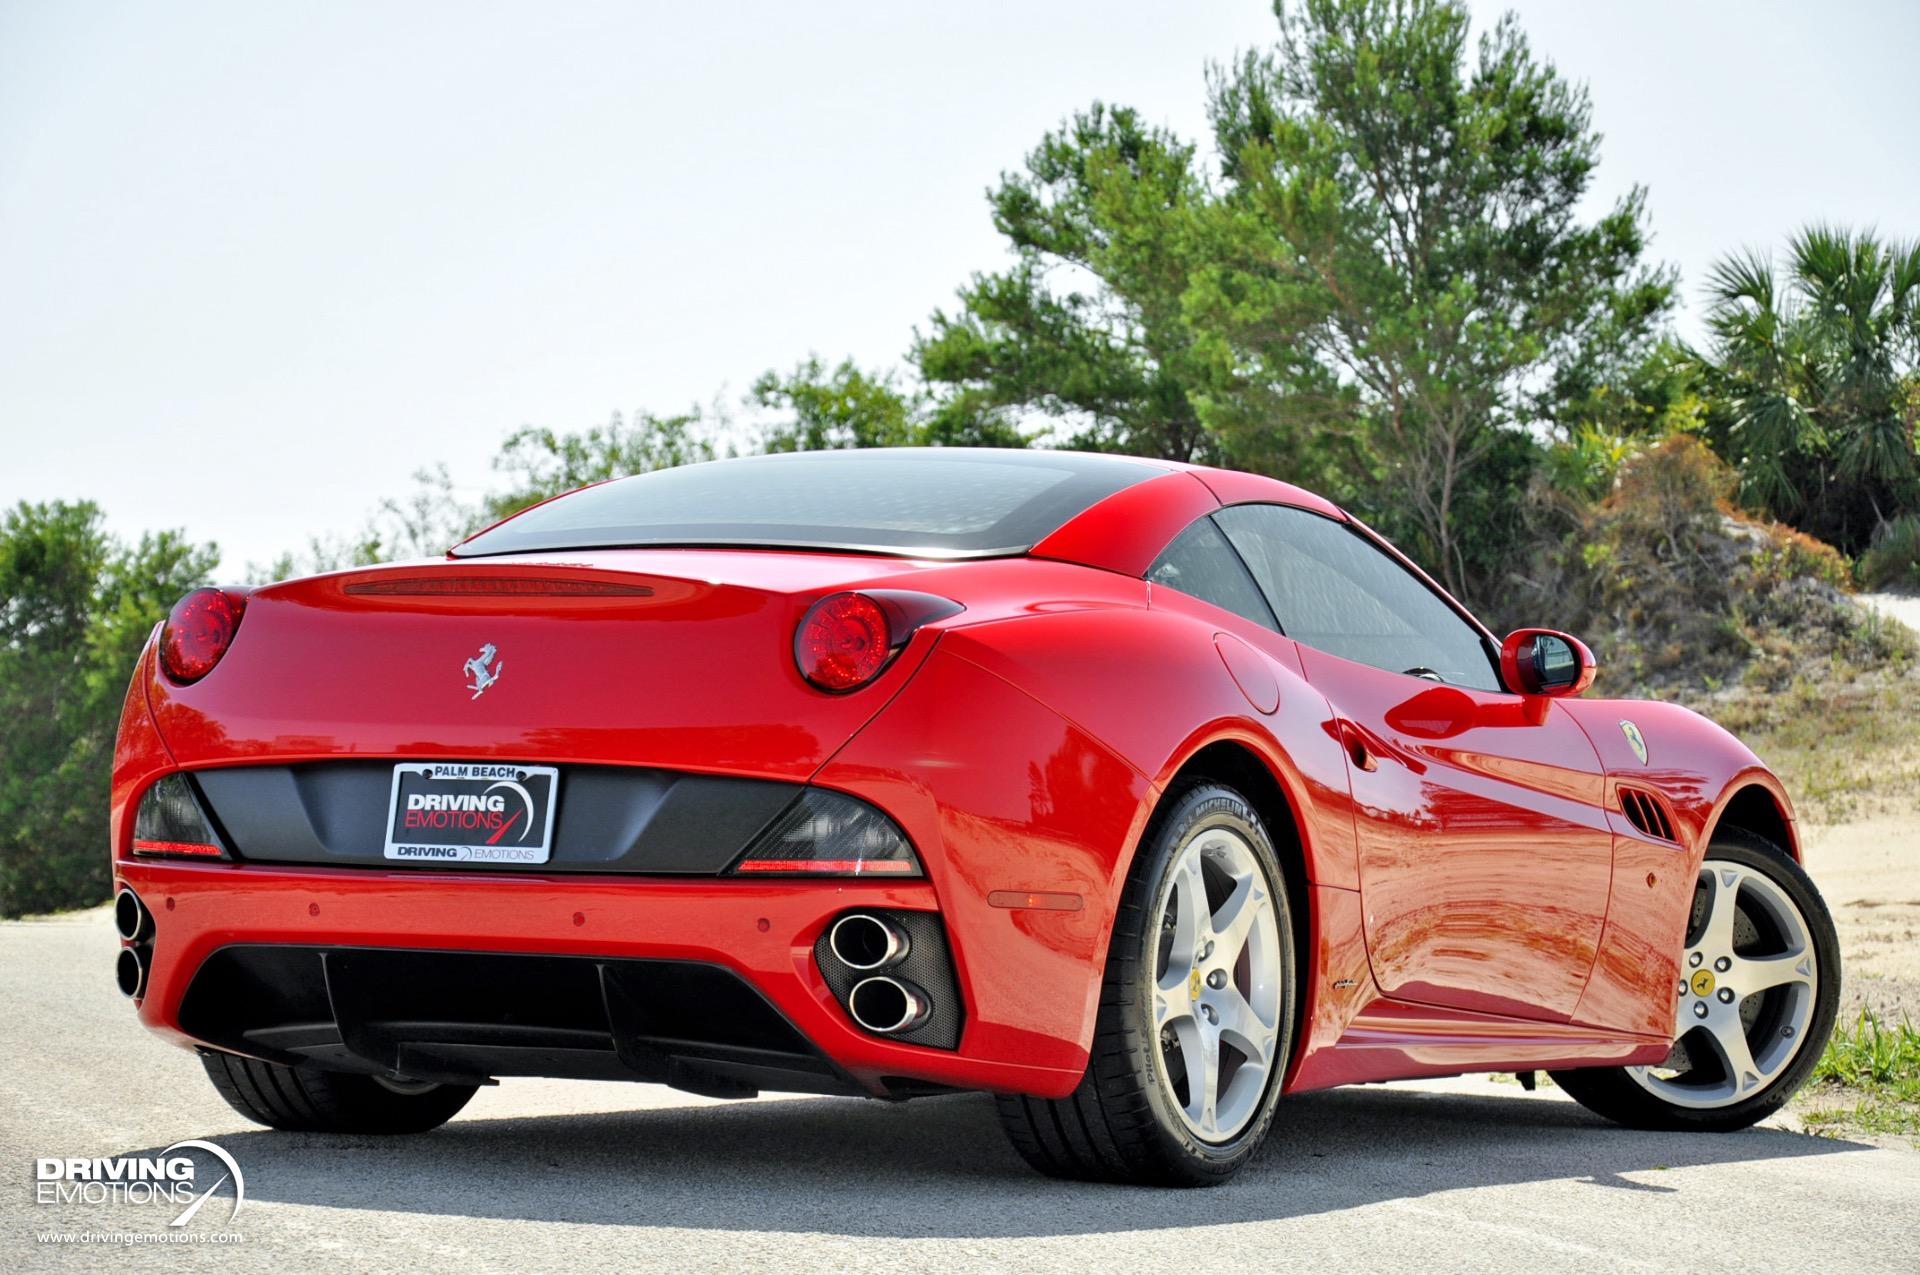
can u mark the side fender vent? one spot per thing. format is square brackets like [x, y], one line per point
[1647, 813]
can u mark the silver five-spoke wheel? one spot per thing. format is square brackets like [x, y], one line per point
[1217, 993]
[1758, 987]
[1749, 982]
[1197, 1008]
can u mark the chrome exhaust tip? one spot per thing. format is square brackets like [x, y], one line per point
[130, 916]
[130, 973]
[887, 1006]
[863, 941]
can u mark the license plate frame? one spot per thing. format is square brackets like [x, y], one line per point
[467, 813]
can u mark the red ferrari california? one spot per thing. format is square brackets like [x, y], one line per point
[1135, 793]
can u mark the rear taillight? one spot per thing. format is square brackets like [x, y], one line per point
[844, 642]
[846, 639]
[829, 834]
[198, 632]
[169, 822]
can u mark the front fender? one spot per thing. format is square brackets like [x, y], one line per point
[1701, 771]
[1699, 766]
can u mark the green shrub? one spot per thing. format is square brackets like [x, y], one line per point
[1680, 593]
[1893, 560]
[1586, 465]
[1795, 553]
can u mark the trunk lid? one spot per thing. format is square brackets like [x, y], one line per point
[671, 658]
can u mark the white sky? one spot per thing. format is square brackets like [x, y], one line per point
[259, 262]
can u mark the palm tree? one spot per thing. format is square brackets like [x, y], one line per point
[1818, 375]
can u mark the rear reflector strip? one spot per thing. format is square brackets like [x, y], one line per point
[1035, 901]
[514, 586]
[831, 867]
[178, 847]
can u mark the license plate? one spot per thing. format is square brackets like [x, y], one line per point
[471, 812]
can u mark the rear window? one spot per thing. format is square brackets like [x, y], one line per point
[926, 502]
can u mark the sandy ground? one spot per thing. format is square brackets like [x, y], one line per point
[1904, 607]
[1869, 873]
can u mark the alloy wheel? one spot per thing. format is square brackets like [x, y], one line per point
[1217, 994]
[1748, 985]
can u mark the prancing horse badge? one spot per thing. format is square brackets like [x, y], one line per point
[1635, 739]
[485, 671]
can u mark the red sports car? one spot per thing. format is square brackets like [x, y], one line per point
[1135, 793]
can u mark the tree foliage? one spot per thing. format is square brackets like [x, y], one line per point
[1404, 208]
[1088, 327]
[540, 463]
[1386, 282]
[815, 407]
[1816, 373]
[76, 606]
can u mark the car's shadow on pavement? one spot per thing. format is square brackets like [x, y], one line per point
[941, 1168]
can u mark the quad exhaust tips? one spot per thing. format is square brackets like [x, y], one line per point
[862, 941]
[130, 916]
[130, 972]
[887, 1006]
[880, 964]
[134, 924]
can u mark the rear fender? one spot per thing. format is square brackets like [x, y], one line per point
[1027, 757]
[1004, 798]
[139, 754]
[1156, 687]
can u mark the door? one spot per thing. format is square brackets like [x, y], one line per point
[1484, 851]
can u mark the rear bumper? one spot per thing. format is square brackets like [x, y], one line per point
[761, 932]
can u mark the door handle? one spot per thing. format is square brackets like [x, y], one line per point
[1355, 741]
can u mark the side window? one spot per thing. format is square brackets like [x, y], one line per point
[1200, 562]
[1334, 591]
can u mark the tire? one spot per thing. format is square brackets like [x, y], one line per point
[1785, 1026]
[308, 1100]
[1132, 1118]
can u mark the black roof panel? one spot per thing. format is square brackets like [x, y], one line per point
[951, 502]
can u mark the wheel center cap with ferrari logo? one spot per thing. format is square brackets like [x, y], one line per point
[1702, 983]
[1193, 985]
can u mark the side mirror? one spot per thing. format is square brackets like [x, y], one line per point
[1542, 662]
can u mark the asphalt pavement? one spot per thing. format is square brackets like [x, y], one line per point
[577, 1177]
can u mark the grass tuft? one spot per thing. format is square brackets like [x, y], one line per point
[1874, 1069]
[1874, 1055]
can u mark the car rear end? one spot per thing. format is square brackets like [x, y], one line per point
[564, 803]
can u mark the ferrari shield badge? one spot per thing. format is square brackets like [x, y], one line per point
[1635, 740]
